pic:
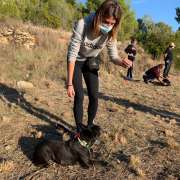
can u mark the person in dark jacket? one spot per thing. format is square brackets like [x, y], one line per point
[131, 51]
[168, 58]
[153, 73]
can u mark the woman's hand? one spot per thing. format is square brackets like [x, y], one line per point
[70, 90]
[126, 63]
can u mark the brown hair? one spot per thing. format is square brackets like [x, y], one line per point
[109, 8]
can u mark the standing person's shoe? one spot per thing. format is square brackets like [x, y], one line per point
[128, 78]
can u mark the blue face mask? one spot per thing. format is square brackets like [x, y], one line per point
[105, 29]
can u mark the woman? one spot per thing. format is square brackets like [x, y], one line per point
[90, 36]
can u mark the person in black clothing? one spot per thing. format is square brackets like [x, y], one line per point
[131, 51]
[168, 58]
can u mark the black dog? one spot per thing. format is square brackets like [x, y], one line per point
[69, 152]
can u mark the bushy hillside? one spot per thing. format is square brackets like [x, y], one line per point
[154, 37]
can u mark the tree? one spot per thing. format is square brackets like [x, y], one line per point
[9, 8]
[177, 50]
[155, 37]
[92, 5]
[128, 23]
[72, 2]
[178, 15]
[52, 13]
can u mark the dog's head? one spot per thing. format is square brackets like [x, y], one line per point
[90, 135]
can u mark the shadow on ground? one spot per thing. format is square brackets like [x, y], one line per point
[27, 144]
[141, 107]
[11, 95]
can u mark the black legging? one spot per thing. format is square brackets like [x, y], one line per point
[92, 83]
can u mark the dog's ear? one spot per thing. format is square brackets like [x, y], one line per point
[86, 134]
[96, 131]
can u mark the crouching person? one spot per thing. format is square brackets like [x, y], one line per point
[153, 73]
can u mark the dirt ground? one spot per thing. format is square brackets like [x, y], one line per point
[140, 122]
[139, 138]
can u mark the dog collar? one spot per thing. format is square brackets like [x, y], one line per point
[77, 136]
[84, 143]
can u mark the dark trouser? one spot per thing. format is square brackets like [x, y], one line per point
[167, 68]
[129, 72]
[92, 83]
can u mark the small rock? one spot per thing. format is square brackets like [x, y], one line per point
[5, 119]
[7, 147]
[24, 85]
[158, 116]
[172, 122]
[130, 110]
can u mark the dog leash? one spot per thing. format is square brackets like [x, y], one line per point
[84, 143]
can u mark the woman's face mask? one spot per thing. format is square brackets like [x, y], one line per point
[105, 29]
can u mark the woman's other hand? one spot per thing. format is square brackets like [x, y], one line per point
[70, 90]
[126, 63]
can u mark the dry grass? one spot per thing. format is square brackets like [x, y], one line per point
[7, 166]
[172, 143]
[135, 161]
